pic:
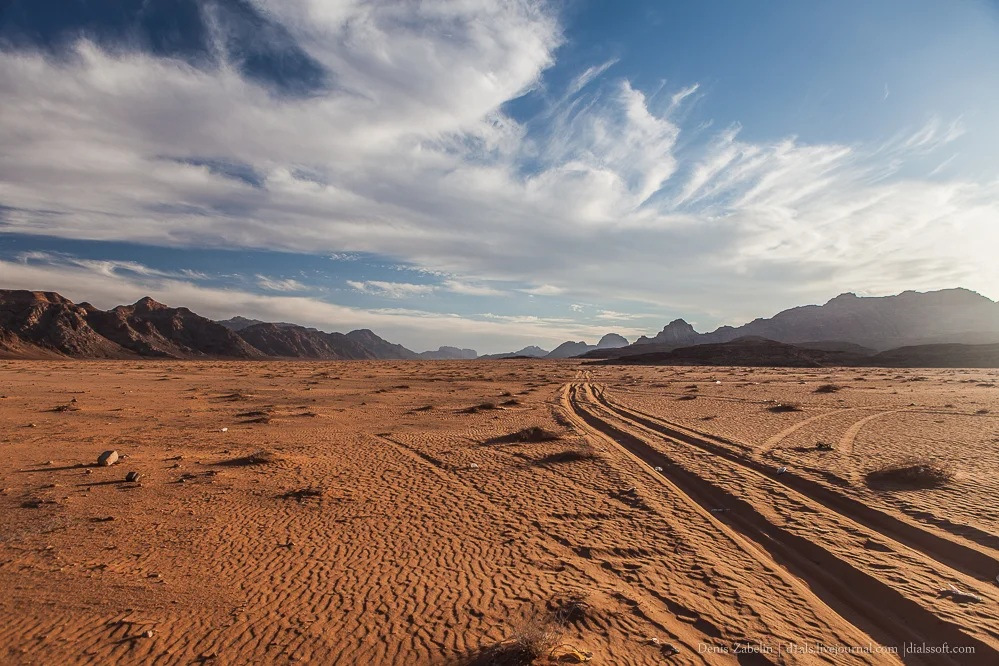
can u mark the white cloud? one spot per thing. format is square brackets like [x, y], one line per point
[588, 75]
[459, 287]
[411, 156]
[619, 316]
[544, 290]
[418, 329]
[391, 289]
[277, 284]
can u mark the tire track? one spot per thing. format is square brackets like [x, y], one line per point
[835, 580]
[951, 554]
[723, 535]
[848, 439]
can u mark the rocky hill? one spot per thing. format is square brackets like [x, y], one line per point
[292, 341]
[449, 354]
[380, 348]
[570, 348]
[747, 351]
[46, 325]
[40, 324]
[36, 324]
[532, 351]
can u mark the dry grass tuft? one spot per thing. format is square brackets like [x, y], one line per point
[569, 456]
[262, 457]
[912, 474]
[828, 388]
[303, 494]
[781, 407]
[533, 639]
[534, 434]
[485, 406]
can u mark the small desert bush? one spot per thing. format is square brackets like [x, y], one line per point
[535, 638]
[828, 388]
[534, 434]
[914, 473]
[687, 397]
[568, 456]
[262, 457]
[781, 407]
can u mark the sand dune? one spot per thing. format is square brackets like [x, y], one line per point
[362, 513]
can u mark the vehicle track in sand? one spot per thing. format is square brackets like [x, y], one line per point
[838, 579]
[961, 557]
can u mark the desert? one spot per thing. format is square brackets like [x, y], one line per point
[449, 512]
[499, 333]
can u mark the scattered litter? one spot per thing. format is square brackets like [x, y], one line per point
[107, 458]
[569, 654]
[781, 470]
[658, 469]
[717, 381]
[666, 648]
[959, 595]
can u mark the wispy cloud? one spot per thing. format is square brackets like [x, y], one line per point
[588, 75]
[391, 289]
[544, 290]
[277, 284]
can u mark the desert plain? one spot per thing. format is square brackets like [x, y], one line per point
[478, 512]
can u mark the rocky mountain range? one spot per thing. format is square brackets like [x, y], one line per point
[848, 327]
[46, 325]
[877, 323]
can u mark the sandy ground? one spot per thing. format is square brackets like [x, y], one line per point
[360, 513]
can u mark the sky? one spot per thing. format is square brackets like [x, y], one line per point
[497, 174]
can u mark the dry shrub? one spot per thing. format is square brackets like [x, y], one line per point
[478, 408]
[687, 397]
[569, 456]
[913, 474]
[262, 457]
[781, 407]
[828, 388]
[534, 434]
[571, 608]
[533, 639]
[303, 494]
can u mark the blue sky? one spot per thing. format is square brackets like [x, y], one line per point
[497, 174]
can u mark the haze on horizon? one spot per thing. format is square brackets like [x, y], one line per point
[495, 174]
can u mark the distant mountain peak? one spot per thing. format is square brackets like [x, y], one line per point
[147, 304]
[612, 341]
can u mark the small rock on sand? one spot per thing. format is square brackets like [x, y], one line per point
[107, 458]
[132, 477]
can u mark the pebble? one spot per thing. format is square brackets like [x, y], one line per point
[132, 477]
[148, 633]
